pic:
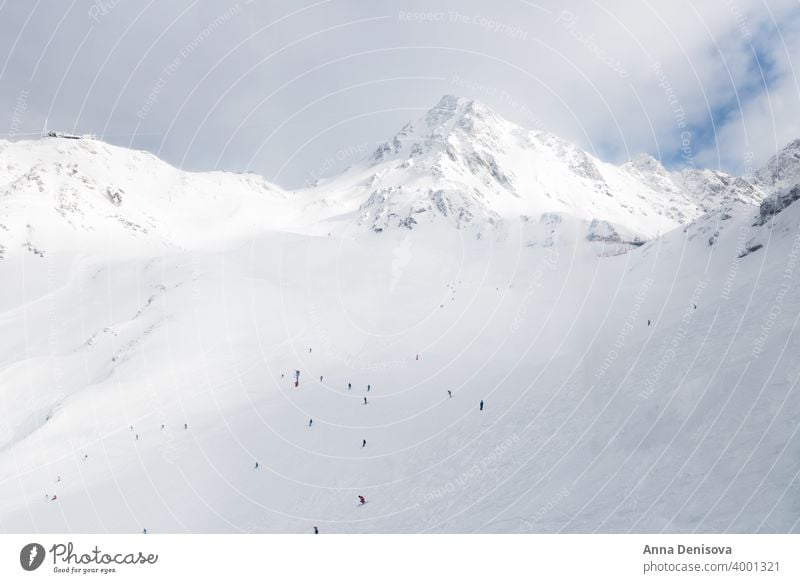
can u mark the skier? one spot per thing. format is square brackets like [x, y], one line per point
[481, 404]
[365, 400]
[162, 426]
[58, 479]
[144, 531]
[417, 356]
[185, 426]
[450, 394]
[362, 500]
[85, 456]
[349, 386]
[648, 322]
[54, 497]
[368, 388]
[695, 306]
[316, 530]
[363, 443]
[256, 465]
[137, 437]
[320, 378]
[309, 351]
[281, 375]
[310, 421]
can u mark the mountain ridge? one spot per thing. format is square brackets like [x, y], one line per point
[463, 162]
[460, 164]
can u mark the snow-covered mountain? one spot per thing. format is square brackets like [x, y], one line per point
[152, 320]
[782, 170]
[71, 195]
[463, 163]
[460, 164]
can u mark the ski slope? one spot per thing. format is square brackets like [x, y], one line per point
[143, 374]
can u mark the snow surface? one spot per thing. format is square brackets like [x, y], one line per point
[465, 254]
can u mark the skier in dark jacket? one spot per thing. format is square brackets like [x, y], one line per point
[365, 400]
[349, 386]
[362, 500]
[481, 404]
[256, 465]
[363, 443]
[310, 422]
[369, 387]
[316, 530]
[449, 393]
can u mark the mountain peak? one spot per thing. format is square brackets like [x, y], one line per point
[647, 164]
[783, 169]
[793, 145]
[456, 104]
[449, 101]
[463, 163]
[452, 119]
[453, 112]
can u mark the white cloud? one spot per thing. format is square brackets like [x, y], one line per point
[616, 77]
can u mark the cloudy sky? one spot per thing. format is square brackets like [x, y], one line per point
[284, 87]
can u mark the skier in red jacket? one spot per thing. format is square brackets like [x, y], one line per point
[362, 500]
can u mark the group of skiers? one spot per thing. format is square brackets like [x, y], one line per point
[163, 426]
[86, 458]
[361, 499]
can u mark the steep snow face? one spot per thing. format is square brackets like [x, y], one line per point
[783, 169]
[712, 189]
[707, 189]
[463, 163]
[776, 203]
